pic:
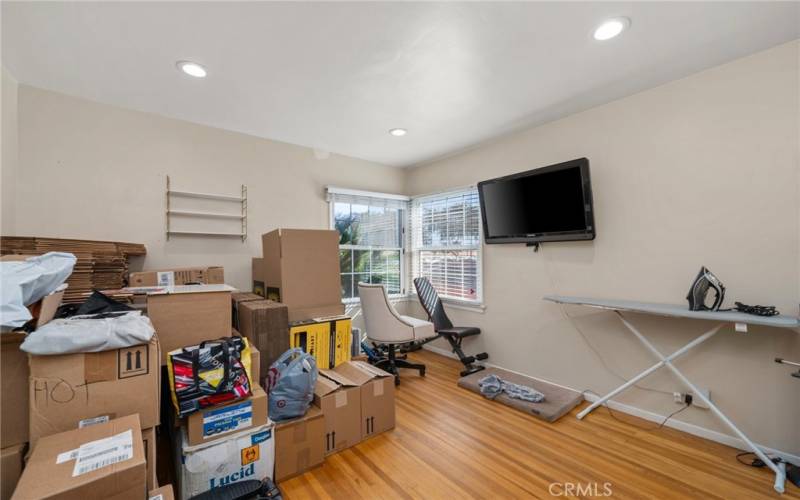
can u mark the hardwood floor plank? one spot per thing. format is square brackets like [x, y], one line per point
[450, 443]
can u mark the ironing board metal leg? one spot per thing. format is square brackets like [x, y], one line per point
[778, 469]
[699, 340]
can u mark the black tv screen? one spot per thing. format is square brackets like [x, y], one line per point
[546, 204]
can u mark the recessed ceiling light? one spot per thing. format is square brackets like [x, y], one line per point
[611, 28]
[192, 69]
[398, 132]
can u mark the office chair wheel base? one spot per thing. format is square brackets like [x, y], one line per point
[397, 380]
[481, 356]
[472, 369]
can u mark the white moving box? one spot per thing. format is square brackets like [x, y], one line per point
[243, 456]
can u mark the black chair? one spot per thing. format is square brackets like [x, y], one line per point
[444, 327]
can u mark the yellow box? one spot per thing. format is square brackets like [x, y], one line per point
[340, 338]
[311, 337]
[327, 339]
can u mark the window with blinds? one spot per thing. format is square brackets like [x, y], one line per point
[370, 240]
[446, 243]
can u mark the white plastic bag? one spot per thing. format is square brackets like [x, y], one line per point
[91, 333]
[23, 283]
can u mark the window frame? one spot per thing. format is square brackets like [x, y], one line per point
[415, 251]
[403, 221]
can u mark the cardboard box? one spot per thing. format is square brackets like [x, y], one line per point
[236, 299]
[299, 444]
[11, 464]
[14, 390]
[259, 277]
[377, 396]
[188, 315]
[214, 275]
[301, 270]
[266, 325]
[340, 401]
[162, 493]
[217, 422]
[328, 340]
[72, 390]
[149, 442]
[99, 461]
[240, 457]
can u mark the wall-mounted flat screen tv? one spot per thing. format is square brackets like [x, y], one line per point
[546, 204]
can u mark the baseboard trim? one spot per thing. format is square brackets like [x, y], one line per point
[673, 423]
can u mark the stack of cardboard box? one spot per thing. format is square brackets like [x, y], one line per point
[300, 269]
[71, 407]
[100, 264]
[14, 366]
[352, 402]
[45, 398]
[204, 442]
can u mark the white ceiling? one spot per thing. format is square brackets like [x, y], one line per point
[338, 76]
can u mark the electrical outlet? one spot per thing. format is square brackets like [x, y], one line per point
[680, 398]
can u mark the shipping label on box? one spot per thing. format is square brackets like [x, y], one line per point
[235, 417]
[99, 461]
[243, 456]
[178, 276]
[215, 422]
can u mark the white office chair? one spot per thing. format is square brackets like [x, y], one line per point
[386, 327]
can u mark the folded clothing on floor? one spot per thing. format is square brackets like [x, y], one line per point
[492, 386]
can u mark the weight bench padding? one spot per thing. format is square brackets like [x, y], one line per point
[460, 331]
[557, 400]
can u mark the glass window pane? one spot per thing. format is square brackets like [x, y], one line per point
[347, 286]
[346, 261]
[361, 261]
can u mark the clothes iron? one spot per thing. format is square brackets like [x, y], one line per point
[698, 292]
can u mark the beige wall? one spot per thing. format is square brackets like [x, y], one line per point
[89, 170]
[701, 171]
[8, 144]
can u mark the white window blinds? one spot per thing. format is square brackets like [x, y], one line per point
[446, 243]
[370, 227]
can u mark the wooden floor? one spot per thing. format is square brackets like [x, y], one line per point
[450, 443]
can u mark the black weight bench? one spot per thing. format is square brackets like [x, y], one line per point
[444, 327]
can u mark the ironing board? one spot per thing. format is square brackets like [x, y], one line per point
[741, 320]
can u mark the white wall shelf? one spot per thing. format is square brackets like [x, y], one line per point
[190, 213]
[240, 200]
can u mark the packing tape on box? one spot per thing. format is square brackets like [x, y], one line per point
[300, 432]
[377, 388]
[341, 399]
[303, 459]
[100, 366]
